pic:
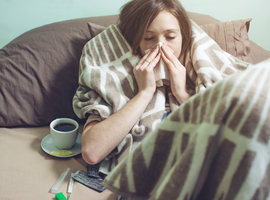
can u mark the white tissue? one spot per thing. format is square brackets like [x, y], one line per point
[162, 73]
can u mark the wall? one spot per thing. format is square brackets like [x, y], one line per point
[227, 10]
[18, 16]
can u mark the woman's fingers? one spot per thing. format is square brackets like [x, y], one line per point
[148, 58]
[177, 75]
[155, 61]
[144, 71]
[169, 58]
[141, 62]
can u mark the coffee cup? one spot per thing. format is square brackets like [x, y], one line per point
[64, 132]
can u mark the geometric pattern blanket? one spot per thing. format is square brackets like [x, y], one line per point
[107, 82]
[214, 146]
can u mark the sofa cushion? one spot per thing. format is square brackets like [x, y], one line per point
[232, 37]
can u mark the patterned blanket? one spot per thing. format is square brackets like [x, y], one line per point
[214, 146]
[106, 80]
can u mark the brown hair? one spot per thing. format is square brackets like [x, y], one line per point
[137, 15]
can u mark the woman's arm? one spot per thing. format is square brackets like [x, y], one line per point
[100, 138]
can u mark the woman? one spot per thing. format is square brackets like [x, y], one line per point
[143, 23]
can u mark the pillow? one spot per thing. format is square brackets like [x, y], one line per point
[39, 73]
[232, 37]
[257, 53]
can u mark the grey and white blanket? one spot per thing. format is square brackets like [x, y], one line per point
[214, 146]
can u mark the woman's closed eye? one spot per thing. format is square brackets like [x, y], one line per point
[171, 37]
[148, 38]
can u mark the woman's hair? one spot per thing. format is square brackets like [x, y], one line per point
[137, 15]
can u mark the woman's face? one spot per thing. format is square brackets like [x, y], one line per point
[164, 28]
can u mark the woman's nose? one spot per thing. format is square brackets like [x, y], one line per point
[162, 40]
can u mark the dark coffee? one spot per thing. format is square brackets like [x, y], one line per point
[64, 127]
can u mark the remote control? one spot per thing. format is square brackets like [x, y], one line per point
[92, 171]
[91, 182]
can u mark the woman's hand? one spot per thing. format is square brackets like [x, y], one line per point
[177, 75]
[144, 71]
